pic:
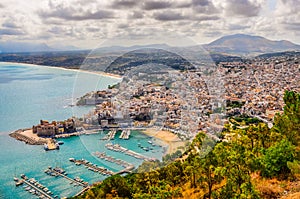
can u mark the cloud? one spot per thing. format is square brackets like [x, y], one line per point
[123, 26]
[119, 4]
[238, 27]
[56, 30]
[201, 2]
[69, 14]
[71, 11]
[204, 7]
[9, 25]
[135, 15]
[6, 31]
[206, 18]
[169, 16]
[245, 8]
[156, 5]
[293, 26]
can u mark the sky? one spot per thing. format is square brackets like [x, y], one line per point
[92, 23]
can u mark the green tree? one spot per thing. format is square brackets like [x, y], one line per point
[275, 158]
[234, 165]
[208, 176]
[288, 123]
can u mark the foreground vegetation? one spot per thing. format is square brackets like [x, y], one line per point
[251, 161]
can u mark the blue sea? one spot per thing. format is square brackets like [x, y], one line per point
[31, 93]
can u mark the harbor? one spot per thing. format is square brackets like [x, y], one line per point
[31, 158]
[60, 172]
[34, 187]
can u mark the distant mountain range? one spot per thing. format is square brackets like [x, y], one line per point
[242, 44]
[238, 44]
[14, 47]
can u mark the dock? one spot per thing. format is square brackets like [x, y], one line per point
[92, 167]
[125, 134]
[110, 136]
[121, 149]
[36, 188]
[128, 167]
[60, 172]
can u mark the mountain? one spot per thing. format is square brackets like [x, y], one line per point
[23, 47]
[111, 49]
[242, 44]
[16, 47]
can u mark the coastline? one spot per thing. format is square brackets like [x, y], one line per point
[68, 69]
[162, 137]
[165, 138]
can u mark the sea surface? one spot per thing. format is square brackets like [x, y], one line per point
[30, 93]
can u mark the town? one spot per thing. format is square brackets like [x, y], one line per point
[183, 102]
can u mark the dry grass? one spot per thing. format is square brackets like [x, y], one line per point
[274, 188]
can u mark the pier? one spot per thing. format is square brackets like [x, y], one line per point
[110, 136]
[92, 167]
[36, 188]
[128, 167]
[60, 172]
[125, 134]
[121, 149]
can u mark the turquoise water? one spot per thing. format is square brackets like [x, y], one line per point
[30, 93]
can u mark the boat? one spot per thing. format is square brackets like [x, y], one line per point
[72, 159]
[20, 182]
[46, 147]
[23, 176]
[146, 149]
[60, 142]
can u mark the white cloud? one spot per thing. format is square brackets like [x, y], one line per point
[83, 23]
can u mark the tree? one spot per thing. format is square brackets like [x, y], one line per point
[288, 124]
[234, 165]
[275, 158]
[208, 176]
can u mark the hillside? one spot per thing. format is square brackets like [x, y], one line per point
[251, 161]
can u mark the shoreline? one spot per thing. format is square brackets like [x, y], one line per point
[164, 138]
[67, 69]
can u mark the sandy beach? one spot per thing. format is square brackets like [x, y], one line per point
[68, 69]
[165, 138]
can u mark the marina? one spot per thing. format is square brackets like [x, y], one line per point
[92, 167]
[18, 157]
[35, 188]
[119, 148]
[60, 172]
